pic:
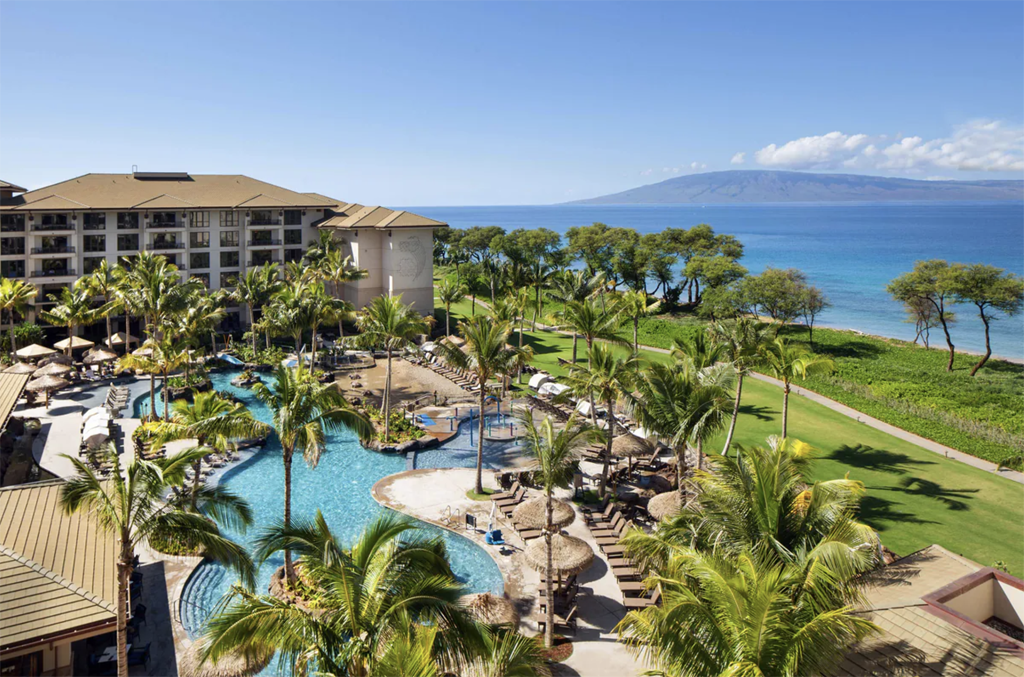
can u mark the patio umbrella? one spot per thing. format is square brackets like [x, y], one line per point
[57, 358]
[631, 445]
[35, 351]
[569, 555]
[143, 352]
[46, 384]
[120, 339]
[532, 513]
[231, 665]
[20, 368]
[98, 356]
[95, 437]
[664, 505]
[491, 609]
[52, 369]
[75, 342]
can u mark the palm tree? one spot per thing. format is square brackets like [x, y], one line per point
[104, 281]
[129, 506]
[448, 292]
[389, 323]
[506, 653]
[743, 340]
[15, 297]
[486, 354]
[541, 275]
[574, 286]
[593, 323]
[157, 292]
[146, 362]
[73, 309]
[170, 353]
[339, 269]
[605, 379]
[700, 349]
[255, 289]
[555, 457]
[748, 614]
[634, 305]
[212, 421]
[787, 361]
[304, 411]
[385, 585]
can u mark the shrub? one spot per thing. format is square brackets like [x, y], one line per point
[25, 334]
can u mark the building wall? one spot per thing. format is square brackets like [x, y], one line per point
[398, 261]
[57, 659]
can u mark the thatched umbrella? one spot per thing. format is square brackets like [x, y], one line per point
[56, 359]
[532, 514]
[569, 555]
[35, 351]
[491, 609]
[52, 369]
[46, 384]
[74, 343]
[120, 339]
[631, 446]
[20, 368]
[232, 665]
[98, 356]
[146, 351]
[664, 505]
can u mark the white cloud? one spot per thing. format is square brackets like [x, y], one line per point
[647, 172]
[698, 165]
[738, 158]
[670, 170]
[982, 145]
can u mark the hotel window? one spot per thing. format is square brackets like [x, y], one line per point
[94, 221]
[54, 219]
[12, 268]
[12, 223]
[127, 220]
[263, 217]
[293, 236]
[199, 240]
[164, 219]
[91, 263]
[12, 246]
[229, 259]
[199, 260]
[127, 243]
[199, 219]
[228, 279]
[202, 277]
[260, 258]
[293, 254]
[293, 217]
[229, 238]
[94, 243]
[229, 219]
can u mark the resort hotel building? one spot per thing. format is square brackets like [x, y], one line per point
[211, 226]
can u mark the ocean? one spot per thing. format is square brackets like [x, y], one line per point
[851, 251]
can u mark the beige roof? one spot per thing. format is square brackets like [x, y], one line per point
[913, 638]
[5, 185]
[357, 216]
[11, 386]
[169, 191]
[57, 571]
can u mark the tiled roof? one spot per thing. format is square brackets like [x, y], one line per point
[6, 185]
[357, 216]
[11, 386]
[57, 571]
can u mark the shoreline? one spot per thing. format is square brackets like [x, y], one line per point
[910, 344]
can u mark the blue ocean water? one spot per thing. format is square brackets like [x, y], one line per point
[849, 250]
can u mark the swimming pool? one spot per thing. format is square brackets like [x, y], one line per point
[460, 450]
[339, 487]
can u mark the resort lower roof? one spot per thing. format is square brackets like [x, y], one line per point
[352, 215]
[11, 386]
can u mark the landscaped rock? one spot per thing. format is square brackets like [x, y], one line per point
[246, 380]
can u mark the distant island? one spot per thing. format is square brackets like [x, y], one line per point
[759, 186]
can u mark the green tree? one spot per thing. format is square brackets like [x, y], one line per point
[449, 292]
[74, 309]
[636, 305]
[742, 341]
[787, 361]
[812, 303]
[592, 245]
[776, 293]
[573, 286]
[15, 298]
[390, 324]
[339, 270]
[992, 290]
[129, 505]
[255, 289]
[593, 323]
[541, 276]
[304, 412]
[934, 282]
[104, 282]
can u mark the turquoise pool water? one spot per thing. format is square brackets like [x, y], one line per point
[339, 487]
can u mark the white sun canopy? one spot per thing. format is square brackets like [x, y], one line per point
[537, 380]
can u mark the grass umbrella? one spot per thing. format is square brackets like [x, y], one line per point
[20, 368]
[532, 514]
[46, 384]
[52, 369]
[491, 609]
[56, 359]
[230, 665]
[98, 356]
[569, 555]
[35, 351]
[664, 505]
[74, 342]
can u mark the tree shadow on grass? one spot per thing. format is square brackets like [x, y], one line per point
[869, 458]
[877, 512]
[954, 499]
[762, 413]
[542, 348]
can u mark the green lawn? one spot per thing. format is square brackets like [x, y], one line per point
[914, 497]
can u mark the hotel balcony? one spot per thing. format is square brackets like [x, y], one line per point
[12, 251]
[166, 225]
[62, 272]
[53, 227]
[257, 264]
[252, 244]
[273, 222]
[56, 249]
[164, 246]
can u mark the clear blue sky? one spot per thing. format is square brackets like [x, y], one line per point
[528, 103]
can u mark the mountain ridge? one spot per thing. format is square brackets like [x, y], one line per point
[752, 186]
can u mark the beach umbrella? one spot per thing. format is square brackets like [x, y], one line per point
[532, 514]
[145, 351]
[230, 665]
[98, 356]
[631, 445]
[120, 339]
[569, 555]
[74, 342]
[56, 359]
[539, 379]
[53, 369]
[35, 351]
[95, 437]
[664, 505]
[491, 609]
[46, 384]
[19, 368]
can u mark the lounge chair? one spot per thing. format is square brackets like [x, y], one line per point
[642, 602]
[568, 621]
[612, 528]
[515, 499]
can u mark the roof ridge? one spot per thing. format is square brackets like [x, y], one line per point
[33, 485]
[390, 218]
[58, 579]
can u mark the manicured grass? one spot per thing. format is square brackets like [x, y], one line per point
[914, 497]
[485, 496]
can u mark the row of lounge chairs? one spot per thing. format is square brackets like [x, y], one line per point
[607, 525]
[464, 379]
[117, 399]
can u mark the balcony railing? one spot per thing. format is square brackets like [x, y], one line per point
[54, 249]
[255, 264]
[128, 226]
[199, 245]
[273, 221]
[165, 245]
[12, 251]
[12, 228]
[166, 224]
[264, 243]
[53, 273]
[52, 226]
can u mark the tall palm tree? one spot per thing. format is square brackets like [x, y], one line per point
[387, 322]
[15, 298]
[339, 269]
[383, 585]
[506, 653]
[635, 305]
[607, 378]
[73, 309]
[700, 349]
[129, 505]
[743, 340]
[145, 360]
[593, 323]
[541, 275]
[255, 289]
[171, 353]
[158, 293]
[573, 286]
[555, 456]
[748, 614]
[787, 361]
[104, 282]
[211, 421]
[486, 354]
[449, 292]
[304, 412]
